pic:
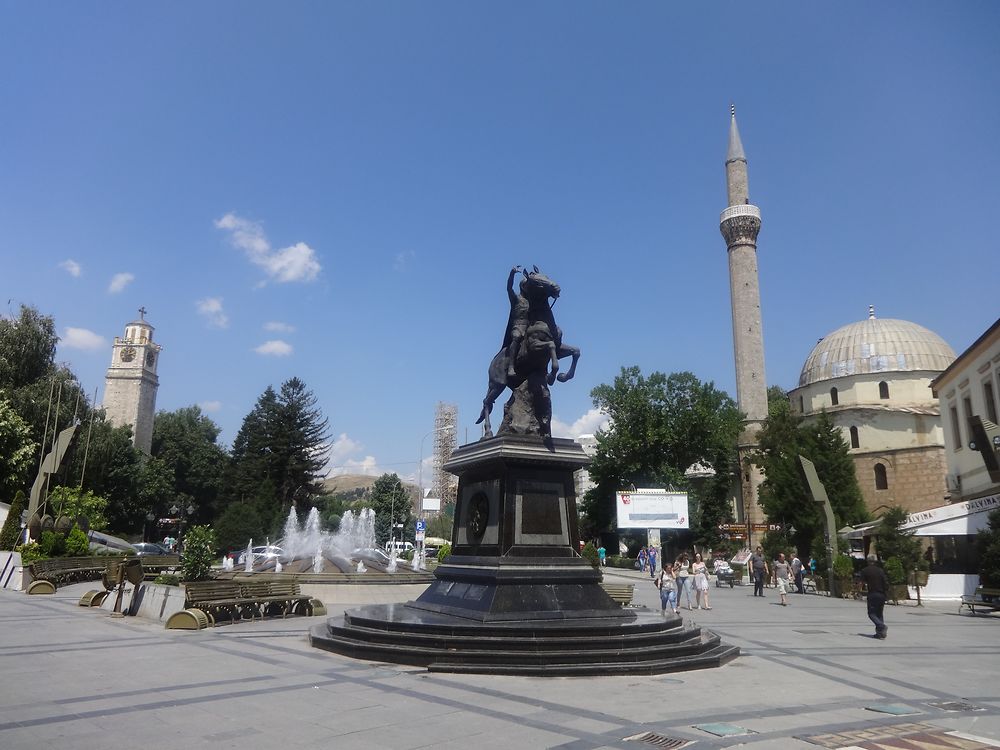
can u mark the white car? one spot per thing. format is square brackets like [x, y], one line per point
[400, 546]
[260, 554]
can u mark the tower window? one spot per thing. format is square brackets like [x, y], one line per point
[855, 441]
[883, 390]
[833, 397]
[881, 480]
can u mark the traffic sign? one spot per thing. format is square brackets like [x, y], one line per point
[421, 525]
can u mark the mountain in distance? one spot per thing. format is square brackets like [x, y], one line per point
[356, 484]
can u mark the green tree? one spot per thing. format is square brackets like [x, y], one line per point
[784, 494]
[660, 426]
[75, 502]
[113, 470]
[283, 441]
[198, 554]
[12, 526]
[894, 541]
[17, 451]
[988, 546]
[27, 348]
[238, 524]
[391, 504]
[184, 445]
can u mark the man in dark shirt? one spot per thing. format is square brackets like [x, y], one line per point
[878, 588]
[758, 566]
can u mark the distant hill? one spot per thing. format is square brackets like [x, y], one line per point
[352, 482]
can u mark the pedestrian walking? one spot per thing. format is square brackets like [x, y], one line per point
[642, 560]
[877, 583]
[682, 569]
[667, 585]
[758, 565]
[700, 571]
[797, 571]
[652, 562]
[782, 577]
[602, 555]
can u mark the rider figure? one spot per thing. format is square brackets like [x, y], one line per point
[517, 324]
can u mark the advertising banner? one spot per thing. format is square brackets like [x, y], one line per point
[652, 509]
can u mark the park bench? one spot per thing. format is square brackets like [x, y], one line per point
[271, 595]
[215, 598]
[620, 592]
[60, 570]
[154, 565]
[987, 600]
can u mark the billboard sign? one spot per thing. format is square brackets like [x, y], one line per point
[652, 509]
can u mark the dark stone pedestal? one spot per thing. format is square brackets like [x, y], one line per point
[515, 597]
[515, 537]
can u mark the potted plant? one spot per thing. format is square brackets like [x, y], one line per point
[897, 579]
[843, 576]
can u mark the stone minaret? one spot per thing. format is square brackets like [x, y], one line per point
[131, 383]
[740, 224]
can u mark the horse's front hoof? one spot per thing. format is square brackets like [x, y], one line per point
[563, 377]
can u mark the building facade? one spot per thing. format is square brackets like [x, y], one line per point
[970, 387]
[131, 382]
[740, 225]
[873, 379]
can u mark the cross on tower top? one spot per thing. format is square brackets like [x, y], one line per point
[142, 313]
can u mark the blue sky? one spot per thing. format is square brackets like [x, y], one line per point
[354, 180]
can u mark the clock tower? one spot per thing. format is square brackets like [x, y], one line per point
[131, 383]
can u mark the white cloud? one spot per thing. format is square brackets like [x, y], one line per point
[119, 281]
[588, 424]
[210, 308]
[81, 338]
[294, 263]
[275, 348]
[402, 260]
[278, 327]
[367, 465]
[210, 407]
[71, 267]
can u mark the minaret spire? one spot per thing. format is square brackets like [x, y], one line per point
[740, 224]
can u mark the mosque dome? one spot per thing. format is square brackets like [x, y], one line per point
[876, 345]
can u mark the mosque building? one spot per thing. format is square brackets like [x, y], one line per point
[873, 378]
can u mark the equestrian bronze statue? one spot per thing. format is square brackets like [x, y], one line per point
[528, 360]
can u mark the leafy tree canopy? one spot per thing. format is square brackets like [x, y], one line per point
[27, 348]
[17, 452]
[75, 502]
[660, 426]
[391, 504]
[190, 461]
[784, 494]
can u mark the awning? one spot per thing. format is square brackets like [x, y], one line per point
[960, 519]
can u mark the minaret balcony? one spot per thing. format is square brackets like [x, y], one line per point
[746, 209]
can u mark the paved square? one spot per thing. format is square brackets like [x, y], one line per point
[76, 678]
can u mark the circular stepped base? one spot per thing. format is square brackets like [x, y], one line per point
[399, 634]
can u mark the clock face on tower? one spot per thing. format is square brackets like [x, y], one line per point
[128, 354]
[150, 359]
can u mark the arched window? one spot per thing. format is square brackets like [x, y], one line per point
[802, 405]
[881, 480]
[855, 442]
[833, 397]
[883, 390]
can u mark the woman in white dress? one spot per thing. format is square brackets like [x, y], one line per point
[700, 571]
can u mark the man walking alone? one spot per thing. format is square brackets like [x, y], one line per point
[878, 588]
[758, 565]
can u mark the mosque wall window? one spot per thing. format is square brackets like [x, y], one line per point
[802, 405]
[855, 441]
[883, 390]
[881, 480]
[834, 400]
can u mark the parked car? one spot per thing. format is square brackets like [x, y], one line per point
[260, 554]
[142, 549]
[400, 546]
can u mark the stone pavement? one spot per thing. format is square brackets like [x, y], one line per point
[809, 677]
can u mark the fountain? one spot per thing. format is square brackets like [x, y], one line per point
[248, 557]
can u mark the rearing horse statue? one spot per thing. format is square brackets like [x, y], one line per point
[531, 350]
